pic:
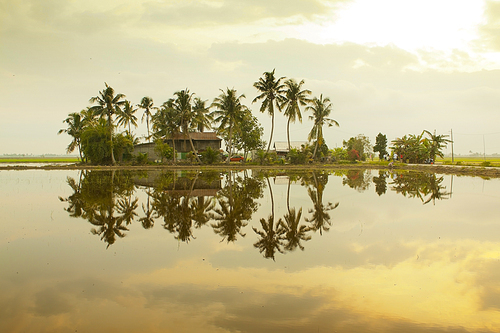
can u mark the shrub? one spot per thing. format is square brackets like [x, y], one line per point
[141, 158]
[210, 156]
[486, 164]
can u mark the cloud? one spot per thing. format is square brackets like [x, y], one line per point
[225, 12]
[490, 31]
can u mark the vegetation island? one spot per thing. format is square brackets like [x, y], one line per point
[177, 131]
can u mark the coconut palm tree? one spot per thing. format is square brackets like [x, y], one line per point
[272, 95]
[228, 114]
[437, 143]
[295, 97]
[166, 123]
[127, 117]
[75, 127]
[321, 108]
[148, 105]
[182, 104]
[202, 118]
[108, 105]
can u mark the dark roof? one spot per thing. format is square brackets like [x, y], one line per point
[199, 136]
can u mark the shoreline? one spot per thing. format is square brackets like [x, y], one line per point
[485, 172]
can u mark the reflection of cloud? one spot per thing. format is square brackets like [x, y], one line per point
[51, 302]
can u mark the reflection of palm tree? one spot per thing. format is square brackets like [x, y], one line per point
[127, 208]
[419, 185]
[271, 240]
[320, 218]
[231, 213]
[295, 232]
[229, 223]
[200, 210]
[109, 226]
[147, 220]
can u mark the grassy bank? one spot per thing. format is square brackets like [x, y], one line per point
[472, 161]
[39, 159]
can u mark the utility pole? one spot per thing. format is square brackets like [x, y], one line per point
[484, 149]
[452, 157]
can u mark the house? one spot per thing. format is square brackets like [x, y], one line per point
[281, 147]
[201, 141]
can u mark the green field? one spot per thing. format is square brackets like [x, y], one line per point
[476, 161]
[39, 159]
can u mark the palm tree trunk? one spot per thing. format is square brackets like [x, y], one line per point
[315, 148]
[110, 125]
[173, 145]
[288, 133]
[272, 130]
[230, 152]
[192, 147]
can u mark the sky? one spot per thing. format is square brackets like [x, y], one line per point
[394, 67]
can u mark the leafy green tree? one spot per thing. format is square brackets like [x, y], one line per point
[295, 97]
[95, 143]
[228, 114]
[272, 95]
[321, 109]
[166, 124]
[163, 149]
[248, 135]
[108, 104]
[360, 144]
[380, 146]
[127, 116]
[148, 105]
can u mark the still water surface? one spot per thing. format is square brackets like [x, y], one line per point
[249, 251]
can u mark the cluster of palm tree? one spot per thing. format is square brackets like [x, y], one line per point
[185, 113]
[418, 148]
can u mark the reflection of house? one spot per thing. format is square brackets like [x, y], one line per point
[281, 147]
[201, 141]
[183, 186]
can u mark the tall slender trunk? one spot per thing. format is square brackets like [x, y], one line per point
[192, 148]
[272, 130]
[147, 125]
[315, 148]
[110, 125]
[230, 152]
[173, 145]
[288, 133]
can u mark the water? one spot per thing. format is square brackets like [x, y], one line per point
[354, 251]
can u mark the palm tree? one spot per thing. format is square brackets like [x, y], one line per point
[108, 104]
[182, 104]
[166, 123]
[295, 97]
[437, 143]
[271, 95]
[228, 114]
[127, 117]
[75, 127]
[148, 105]
[321, 108]
[202, 119]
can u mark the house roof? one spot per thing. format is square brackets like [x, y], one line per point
[199, 136]
[282, 146]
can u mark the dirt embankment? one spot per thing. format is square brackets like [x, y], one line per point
[485, 172]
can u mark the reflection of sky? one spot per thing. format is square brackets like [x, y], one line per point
[388, 263]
